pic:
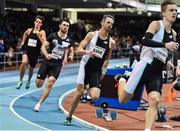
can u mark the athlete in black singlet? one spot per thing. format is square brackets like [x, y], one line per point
[31, 45]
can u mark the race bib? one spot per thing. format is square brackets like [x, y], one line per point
[57, 53]
[65, 44]
[32, 42]
[161, 54]
[99, 51]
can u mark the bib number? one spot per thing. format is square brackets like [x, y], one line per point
[32, 42]
[161, 54]
[99, 51]
[57, 53]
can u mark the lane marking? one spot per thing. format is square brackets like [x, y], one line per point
[22, 118]
[60, 103]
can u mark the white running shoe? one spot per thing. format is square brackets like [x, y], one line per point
[37, 107]
[107, 116]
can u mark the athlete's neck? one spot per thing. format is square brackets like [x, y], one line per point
[103, 34]
[62, 35]
[167, 25]
[36, 29]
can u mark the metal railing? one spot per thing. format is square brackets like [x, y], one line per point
[17, 58]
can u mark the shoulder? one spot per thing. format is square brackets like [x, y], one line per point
[154, 27]
[174, 33]
[90, 34]
[155, 24]
[28, 30]
[43, 31]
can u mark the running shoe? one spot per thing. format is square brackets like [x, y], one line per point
[68, 121]
[37, 107]
[107, 116]
[19, 85]
[27, 85]
[118, 76]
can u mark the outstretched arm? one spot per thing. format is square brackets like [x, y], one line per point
[25, 35]
[81, 48]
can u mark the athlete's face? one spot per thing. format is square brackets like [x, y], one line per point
[170, 13]
[38, 23]
[64, 27]
[107, 23]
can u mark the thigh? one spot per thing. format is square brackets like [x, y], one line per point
[94, 79]
[33, 61]
[55, 71]
[154, 85]
[24, 58]
[43, 70]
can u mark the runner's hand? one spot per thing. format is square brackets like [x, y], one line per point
[48, 56]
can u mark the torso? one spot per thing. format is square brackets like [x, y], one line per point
[32, 44]
[58, 46]
[101, 48]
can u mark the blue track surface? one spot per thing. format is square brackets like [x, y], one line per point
[16, 106]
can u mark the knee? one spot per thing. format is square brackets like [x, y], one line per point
[39, 83]
[124, 97]
[95, 97]
[24, 63]
[94, 93]
[122, 100]
[51, 81]
[153, 101]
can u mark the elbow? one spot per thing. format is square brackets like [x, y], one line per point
[79, 50]
[144, 41]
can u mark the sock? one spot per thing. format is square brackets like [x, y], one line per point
[147, 129]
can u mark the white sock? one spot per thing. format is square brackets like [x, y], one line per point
[122, 79]
[135, 76]
[147, 129]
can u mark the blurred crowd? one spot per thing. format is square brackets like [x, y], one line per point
[126, 32]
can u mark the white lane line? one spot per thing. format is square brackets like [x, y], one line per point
[15, 99]
[15, 113]
[60, 103]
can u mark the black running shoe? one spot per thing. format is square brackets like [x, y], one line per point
[68, 121]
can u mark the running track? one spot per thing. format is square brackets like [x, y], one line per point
[16, 106]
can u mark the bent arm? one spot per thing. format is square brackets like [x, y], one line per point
[43, 48]
[25, 35]
[147, 39]
[81, 48]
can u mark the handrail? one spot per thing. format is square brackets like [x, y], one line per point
[17, 58]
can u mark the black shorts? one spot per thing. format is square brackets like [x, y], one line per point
[92, 78]
[152, 77]
[31, 58]
[48, 69]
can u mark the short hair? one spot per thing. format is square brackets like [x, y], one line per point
[166, 3]
[65, 19]
[108, 16]
[40, 17]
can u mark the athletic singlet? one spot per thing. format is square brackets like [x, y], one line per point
[101, 49]
[57, 47]
[149, 53]
[32, 44]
